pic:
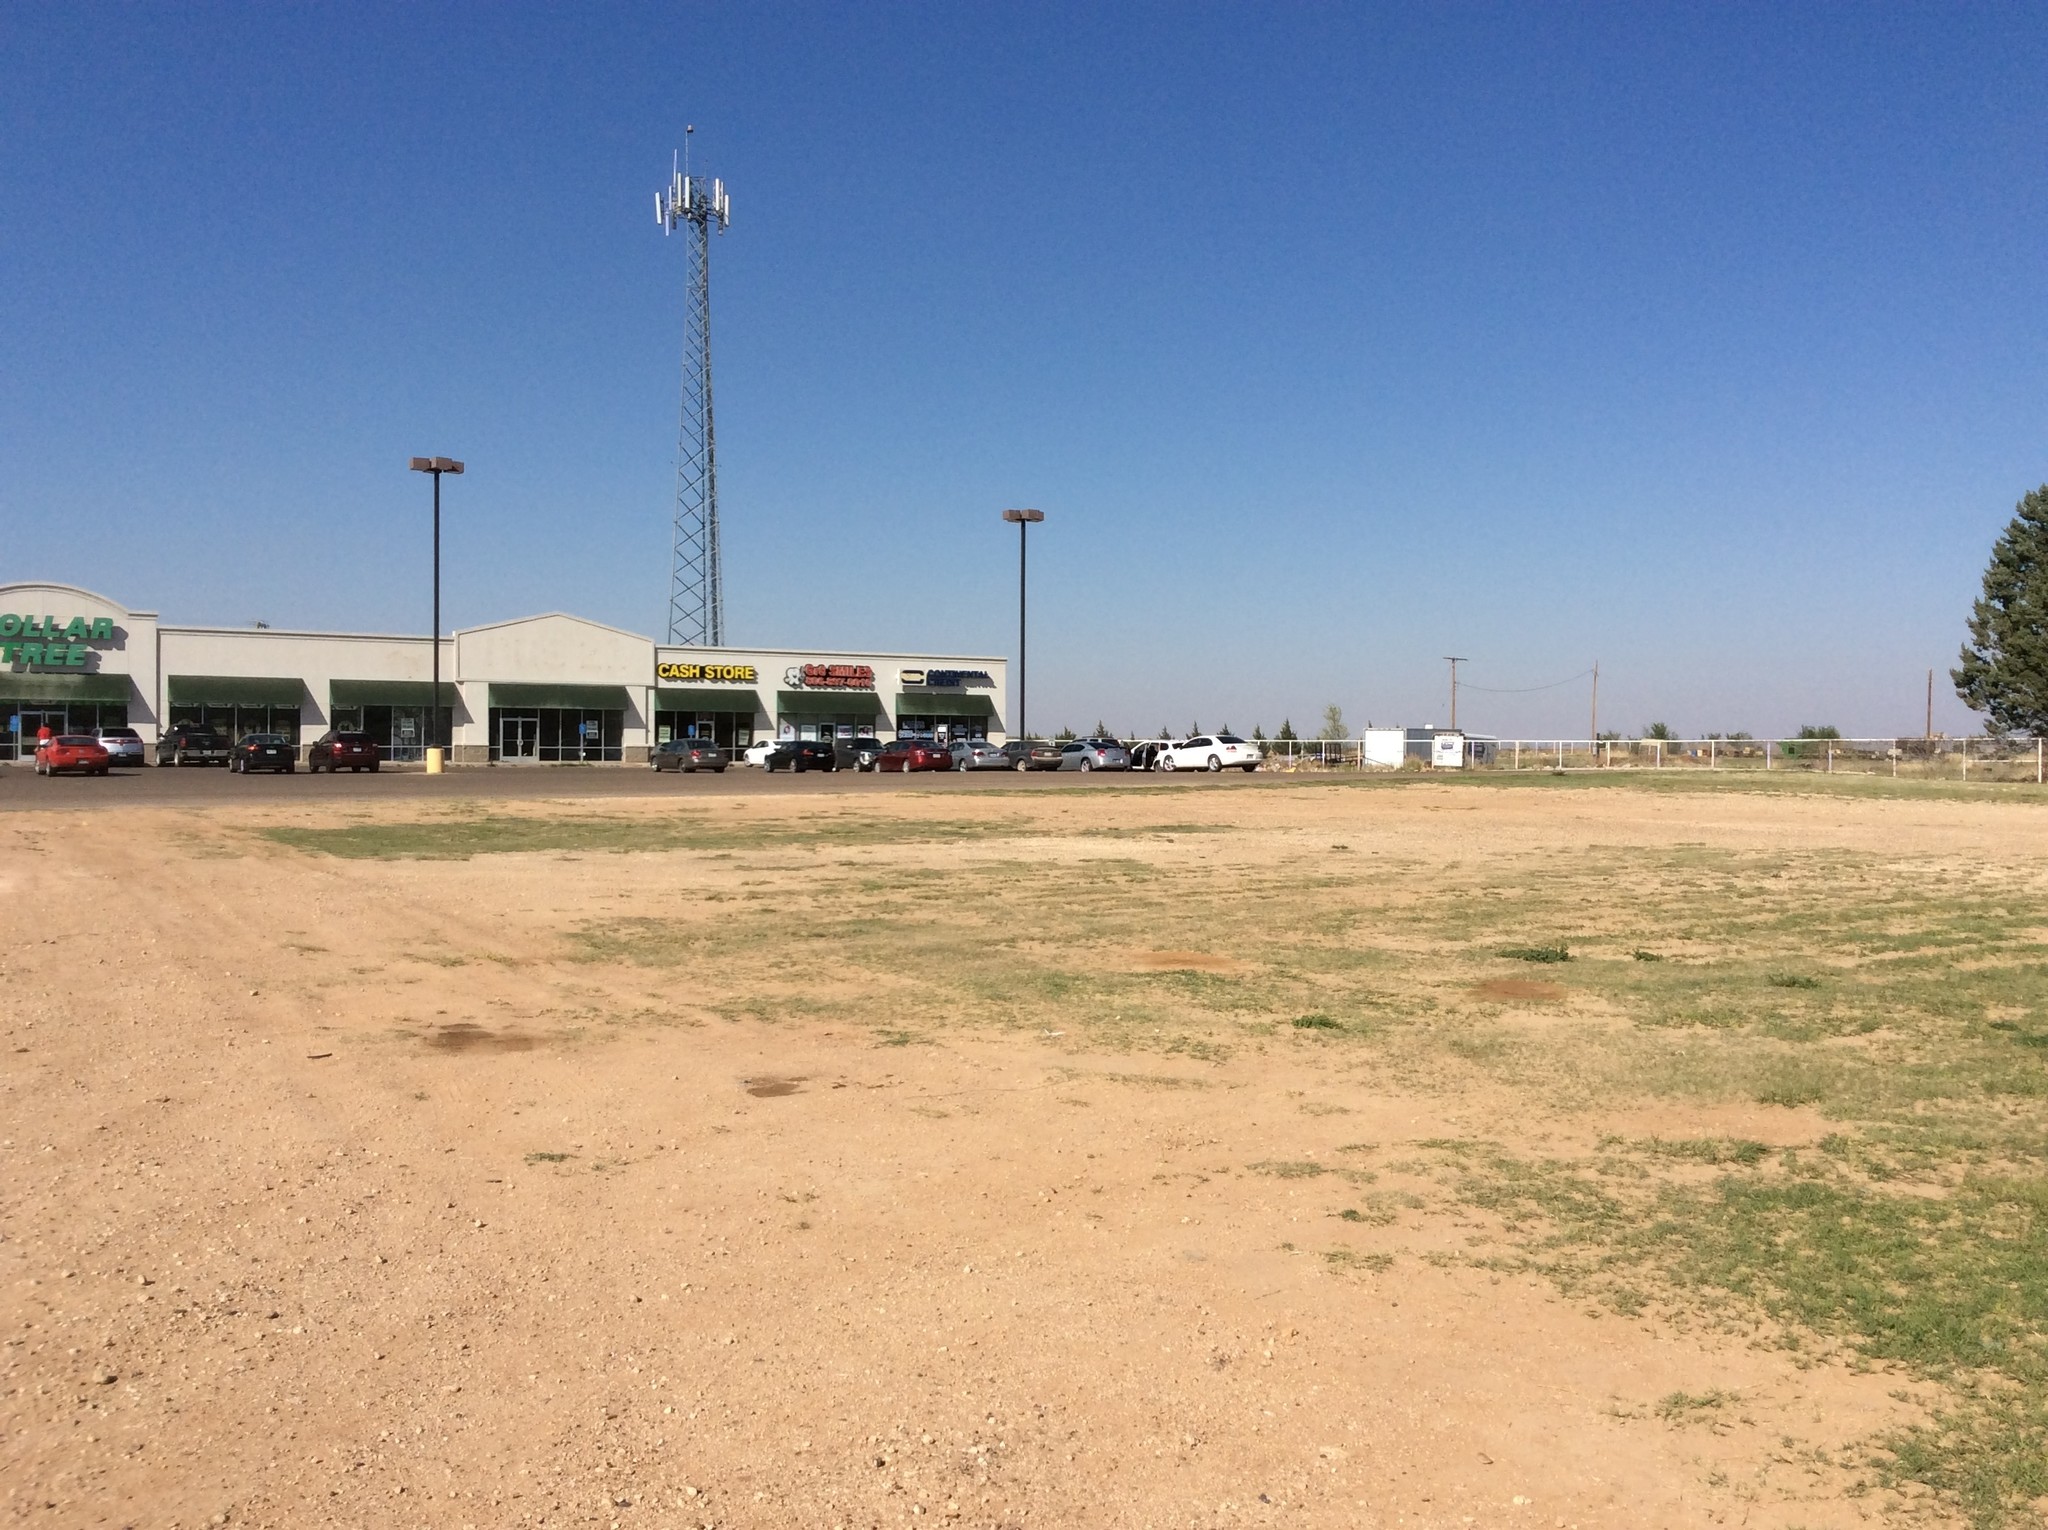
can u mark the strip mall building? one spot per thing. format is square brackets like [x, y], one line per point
[542, 689]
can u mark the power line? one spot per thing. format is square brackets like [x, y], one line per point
[1522, 690]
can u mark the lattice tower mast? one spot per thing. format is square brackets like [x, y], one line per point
[696, 592]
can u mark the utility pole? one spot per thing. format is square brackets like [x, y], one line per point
[437, 751]
[1024, 520]
[1930, 706]
[1596, 712]
[1454, 662]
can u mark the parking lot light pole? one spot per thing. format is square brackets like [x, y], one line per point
[1024, 520]
[436, 750]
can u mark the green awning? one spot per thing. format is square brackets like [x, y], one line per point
[388, 693]
[63, 688]
[827, 704]
[943, 704]
[534, 698]
[704, 699]
[236, 691]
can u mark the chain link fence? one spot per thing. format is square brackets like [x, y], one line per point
[1927, 759]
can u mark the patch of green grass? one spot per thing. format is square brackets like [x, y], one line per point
[1683, 1407]
[1708, 1150]
[1294, 1168]
[458, 837]
[549, 1157]
[1792, 980]
[1317, 1022]
[1556, 953]
[1953, 1287]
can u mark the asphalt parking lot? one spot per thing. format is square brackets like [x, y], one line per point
[153, 786]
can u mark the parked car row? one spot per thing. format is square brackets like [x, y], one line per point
[338, 750]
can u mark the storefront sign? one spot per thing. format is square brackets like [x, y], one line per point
[743, 673]
[44, 642]
[946, 679]
[829, 677]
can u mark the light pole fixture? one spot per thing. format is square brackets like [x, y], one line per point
[1455, 660]
[1024, 519]
[436, 750]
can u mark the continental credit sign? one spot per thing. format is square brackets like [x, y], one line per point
[45, 642]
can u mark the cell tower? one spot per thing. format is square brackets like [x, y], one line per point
[696, 591]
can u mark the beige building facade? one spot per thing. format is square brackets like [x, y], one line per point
[550, 689]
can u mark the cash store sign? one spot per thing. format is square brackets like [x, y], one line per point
[715, 673]
[44, 642]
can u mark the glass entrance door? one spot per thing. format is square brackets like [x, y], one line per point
[33, 723]
[518, 736]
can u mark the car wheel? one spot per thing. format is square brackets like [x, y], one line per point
[1214, 764]
[292, 769]
[101, 771]
[1251, 767]
[718, 770]
[178, 759]
[1087, 764]
[1024, 764]
[1166, 763]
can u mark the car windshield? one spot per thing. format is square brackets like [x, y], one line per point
[119, 733]
[351, 738]
[264, 738]
[75, 740]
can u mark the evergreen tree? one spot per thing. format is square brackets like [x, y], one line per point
[2004, 669]
[1286, 734]
[1258, 734]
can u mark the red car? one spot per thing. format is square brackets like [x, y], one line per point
[908, 754]
[335, 750]
[71, 751]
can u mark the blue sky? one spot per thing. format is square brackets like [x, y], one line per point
[1706, 341]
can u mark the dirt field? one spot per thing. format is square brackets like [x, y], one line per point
[1218, 1154]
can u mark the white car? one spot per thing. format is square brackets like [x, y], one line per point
[1211, 751]
[757, 754]
[123, 745]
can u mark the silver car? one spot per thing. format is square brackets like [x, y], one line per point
[123, 745]
[1094, 754]
[977, 754]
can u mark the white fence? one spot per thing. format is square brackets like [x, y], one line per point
[1953, 759]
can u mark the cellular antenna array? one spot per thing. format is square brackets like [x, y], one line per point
[696, 591]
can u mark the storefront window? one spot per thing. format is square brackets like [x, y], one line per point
[233, 722]
[557, 735]
[21, 721]
[942, 727]
[733, 730]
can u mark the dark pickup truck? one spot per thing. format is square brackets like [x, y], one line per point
[191, 746]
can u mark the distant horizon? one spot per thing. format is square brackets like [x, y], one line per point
[1705, 343]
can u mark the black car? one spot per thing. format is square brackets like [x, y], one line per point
[856, 753]
[264, 751]
[182, 744]
[692, 754]
[1032, 754]
[801, 754]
